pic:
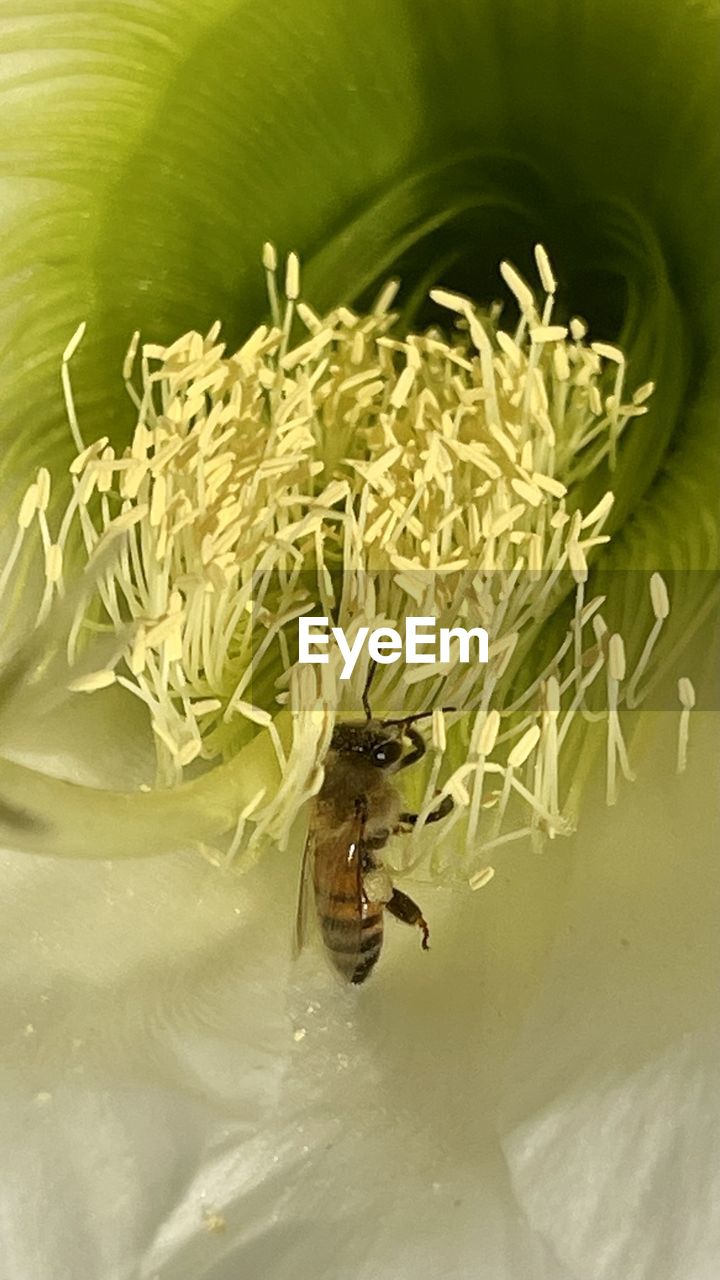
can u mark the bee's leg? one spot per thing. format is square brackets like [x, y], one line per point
[377, 840]
[442, 811]
[418, 751]
[403, 908]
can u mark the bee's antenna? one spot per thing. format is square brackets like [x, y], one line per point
[420, 715]
[366, 691]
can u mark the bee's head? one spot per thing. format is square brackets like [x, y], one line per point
[378, 742]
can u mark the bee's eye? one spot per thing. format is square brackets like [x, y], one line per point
[387, 753]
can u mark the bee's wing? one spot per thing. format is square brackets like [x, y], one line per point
[305, 895]
[340, 874]
[340, 898]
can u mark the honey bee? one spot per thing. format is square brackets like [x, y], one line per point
[356, 811]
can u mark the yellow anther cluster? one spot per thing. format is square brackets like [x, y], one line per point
[334, 462]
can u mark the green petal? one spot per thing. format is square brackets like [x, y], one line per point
[438, 137]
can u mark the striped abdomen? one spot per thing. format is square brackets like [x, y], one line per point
[352, 929]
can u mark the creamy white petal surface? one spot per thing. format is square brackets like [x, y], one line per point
[612, 1105]
[180, 1100]
[152, 1075]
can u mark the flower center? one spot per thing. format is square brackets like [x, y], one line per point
[376, 475]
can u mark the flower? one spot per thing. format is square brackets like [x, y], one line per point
[417, 133]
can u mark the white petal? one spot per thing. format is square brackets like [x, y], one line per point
[612, 1099]
[163, 1080]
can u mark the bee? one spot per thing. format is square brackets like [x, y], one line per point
[354, 814]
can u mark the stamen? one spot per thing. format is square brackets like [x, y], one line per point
[661, 608]
[67, 356]
[686, 694]
[377, 475]
[616, 751]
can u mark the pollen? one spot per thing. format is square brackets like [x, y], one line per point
[334, 461]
